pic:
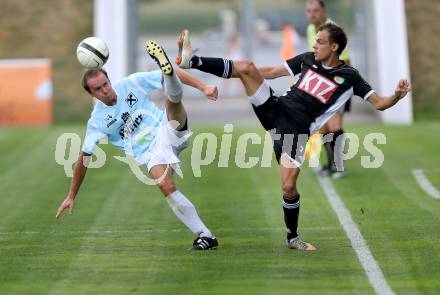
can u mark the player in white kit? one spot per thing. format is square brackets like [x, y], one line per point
[125, 115]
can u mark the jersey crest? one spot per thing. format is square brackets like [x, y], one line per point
[131, 99]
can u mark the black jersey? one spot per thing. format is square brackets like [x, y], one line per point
[320, 91]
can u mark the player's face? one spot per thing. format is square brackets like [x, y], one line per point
[101, 88]
[323, 48]
[315, 13]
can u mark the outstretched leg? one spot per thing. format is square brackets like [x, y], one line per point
[173, 87]
[245, 70]
[183, 208]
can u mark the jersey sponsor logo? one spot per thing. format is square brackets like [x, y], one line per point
[125, 116]
[317, 86]
[130, 125]
[131, 99]
[111, 123]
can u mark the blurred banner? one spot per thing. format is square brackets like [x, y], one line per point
[25, 92]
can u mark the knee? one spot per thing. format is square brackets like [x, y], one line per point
[175, 97]
[289, 189]
[167, 186]
[245, 67]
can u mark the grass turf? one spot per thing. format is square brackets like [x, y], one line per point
[124, 239]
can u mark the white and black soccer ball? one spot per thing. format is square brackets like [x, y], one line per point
[92, 53]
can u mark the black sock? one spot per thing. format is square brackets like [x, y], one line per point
[291, 213]
[220, 67]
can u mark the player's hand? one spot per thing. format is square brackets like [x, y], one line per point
[402, 89]
[211, 91]
[67, 203]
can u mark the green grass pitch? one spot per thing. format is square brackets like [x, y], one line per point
[124, 239]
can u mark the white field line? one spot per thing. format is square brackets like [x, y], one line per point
[154, 230]
[425, 184]
[371, 268]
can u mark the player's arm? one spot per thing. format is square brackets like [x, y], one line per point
[382, 103]
[274, 72]
[210, 91]
[78, 176]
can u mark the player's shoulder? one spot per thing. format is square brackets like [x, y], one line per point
[145, 75]
[306, 56]
[98, 112]
[94, 123]
[128, 79]
[131, 77]
[349, 70]
[309, 55]
[140, 79]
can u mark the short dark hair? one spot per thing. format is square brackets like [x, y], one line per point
[89, 74]
[335, 35]
[321, 3]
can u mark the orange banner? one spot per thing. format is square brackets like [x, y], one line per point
[25, 92]
[287, 50]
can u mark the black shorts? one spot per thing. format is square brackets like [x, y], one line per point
[289, 132]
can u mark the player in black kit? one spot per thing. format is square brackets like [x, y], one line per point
[324, 85]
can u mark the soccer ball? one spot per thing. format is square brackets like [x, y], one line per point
[92, 53]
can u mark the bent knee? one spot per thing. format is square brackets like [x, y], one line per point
[167, 186]
[289, 189]
[245, 67]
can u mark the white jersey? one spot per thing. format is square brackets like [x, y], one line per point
[132, 124]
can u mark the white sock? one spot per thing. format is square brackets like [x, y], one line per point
[173, 87]
[186, 212]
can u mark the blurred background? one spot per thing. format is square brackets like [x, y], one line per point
[49, 31]
[123, 239]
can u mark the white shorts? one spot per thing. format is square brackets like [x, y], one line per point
[168, 144]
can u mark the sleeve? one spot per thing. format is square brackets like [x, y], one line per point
[149, 80]
[293, 65]
[92, 138]
[361, 87]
